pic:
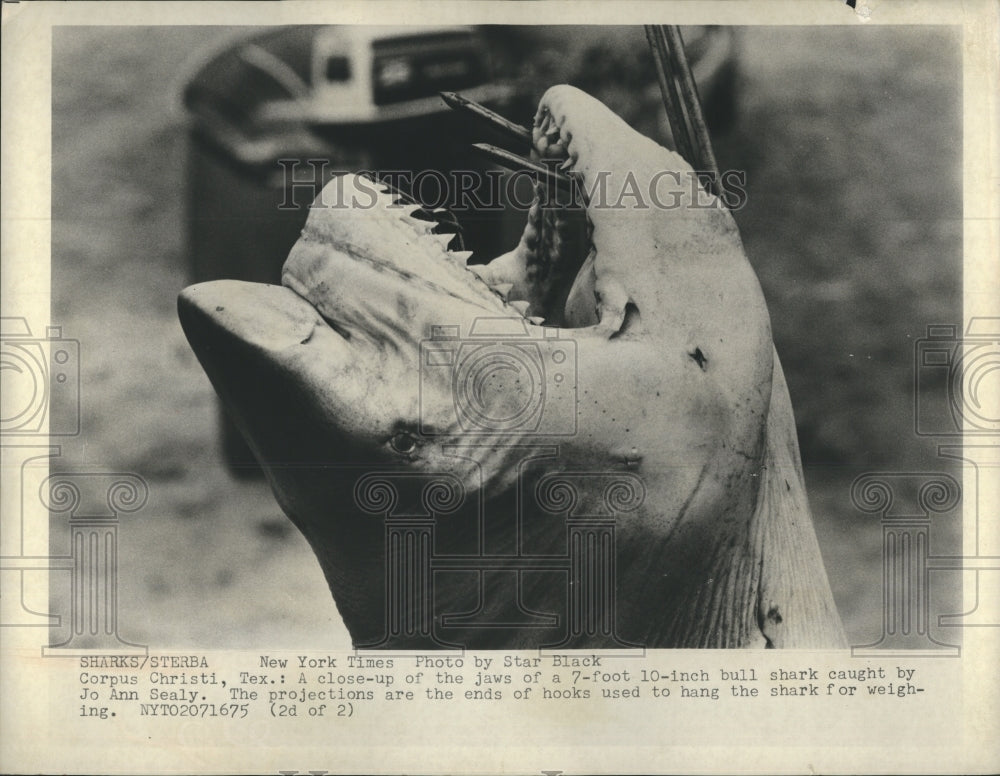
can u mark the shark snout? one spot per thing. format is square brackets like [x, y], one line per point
[226, 313]
[280, 369]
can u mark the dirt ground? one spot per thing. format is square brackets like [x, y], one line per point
[851, 140]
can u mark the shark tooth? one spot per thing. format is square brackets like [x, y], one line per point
[386, 198]
[521, 306]
[536, 319]
[483, 114]
[462, 256]
[418, 225]
[503, 289]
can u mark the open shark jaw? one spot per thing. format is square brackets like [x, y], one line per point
[371, 222]
[551, 275]
[367, 285]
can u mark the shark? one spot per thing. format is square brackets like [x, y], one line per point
[623, 342]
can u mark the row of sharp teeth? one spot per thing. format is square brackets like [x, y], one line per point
[559, 137]
[426, 230]
[551, 130]
[503, 291]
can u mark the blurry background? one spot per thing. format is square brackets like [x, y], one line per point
[851, 142]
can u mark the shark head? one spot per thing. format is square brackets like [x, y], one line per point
[625, 336]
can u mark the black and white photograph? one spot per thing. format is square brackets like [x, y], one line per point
[561, 388]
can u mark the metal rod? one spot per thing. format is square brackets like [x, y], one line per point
[514, 162]
[668, 91]
[484, 114]
[702, 141]
[681, 100]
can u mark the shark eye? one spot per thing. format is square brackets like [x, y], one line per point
[403, 442]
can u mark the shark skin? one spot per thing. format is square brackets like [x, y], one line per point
[675, 384]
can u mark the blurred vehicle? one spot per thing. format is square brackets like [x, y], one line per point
[290, 86]
[374, 74]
